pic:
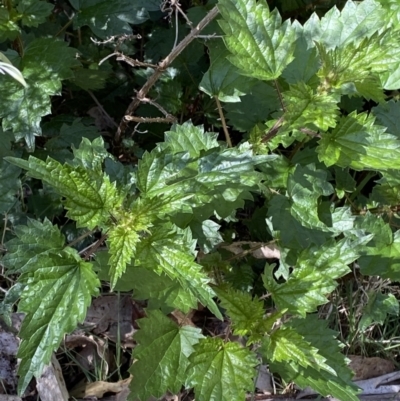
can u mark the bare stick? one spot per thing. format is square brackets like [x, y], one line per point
[162, 66]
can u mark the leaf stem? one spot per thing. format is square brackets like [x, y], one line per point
[223, 122]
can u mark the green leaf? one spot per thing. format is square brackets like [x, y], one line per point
[247, 314]
[382, 259]
[358, 143]
[223, 79]
[34, 12]
[305, 187]
[65, 284]
[90, 79]
[378, 307]
[189, 138]
[109, 18]
[265, 46]
[90, 197]
[158, 289]
[9, 29]
[34, 240]
[223, 175]
[307, 108]
[45, 63]
[290, 232]
[338, 384]
[351, 25]
[10, 185]
[221, 371]
[388, 114]
[356, 68]
[313, 278]
[71, 135]
[207, 234]
[254, 108]
[287, 345]
[170, 250]
[163, 350]
[387, 192]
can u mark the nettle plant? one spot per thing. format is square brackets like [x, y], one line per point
[297, 92]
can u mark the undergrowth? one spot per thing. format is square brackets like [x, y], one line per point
[153, 148]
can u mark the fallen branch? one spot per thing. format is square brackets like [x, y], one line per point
[162, 66]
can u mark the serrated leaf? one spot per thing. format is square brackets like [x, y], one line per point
[305, 63]
[220, 371]
[189, 138]
[247, 314]
[305, 107]
[387, 190]
[350, 25]
[313, 278]
[32, 241]
[383, 259]
[254, 109]
[170, 250]
[90, 196]
[163, 350]
[207, 234]
[305, 186]
[65, 284]
[9, 29]
[122, 241]
[71, 135]
[291, 233]
[108, 18]
[217, 174]
[45, 63]
[339, 384]
[287, 345]
[9, 185]
[34, 12]
[378, 307]
[264, 46]
[356, 68]
[388, 115]
[158, 289]
[359, 143]
[223, 79]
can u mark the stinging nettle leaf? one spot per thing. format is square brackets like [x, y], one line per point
[220, 371]
[359, 143]
[163, 350]
[66, 285]
[223, 79]
[90, 197]
[353, 23]
[338, 384]
[261, 45]
[46, 61]
[171, 251]
[107, 18]
[313, 278]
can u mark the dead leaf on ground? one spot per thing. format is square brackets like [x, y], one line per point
[99, 388]
[258, 250]
[111, 316]
[50, 385]
[93, 353]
